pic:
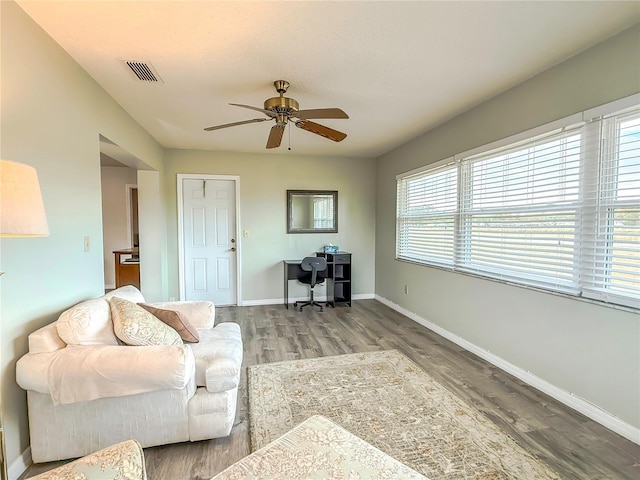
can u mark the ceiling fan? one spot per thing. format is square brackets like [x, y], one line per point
[283, 109]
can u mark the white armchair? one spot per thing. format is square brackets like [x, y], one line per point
[86, 389]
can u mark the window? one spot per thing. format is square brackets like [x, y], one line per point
[323, 213]
[560, 211]
[426, 216]
[611, 267]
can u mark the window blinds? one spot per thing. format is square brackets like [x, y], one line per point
[426, 216]
[611, 264]
[519, 211]
[560, 211]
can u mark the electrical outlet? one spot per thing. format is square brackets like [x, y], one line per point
[245, 233]
[87, 243]
[172, 299]
[406, 289]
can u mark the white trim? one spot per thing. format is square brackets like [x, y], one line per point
[267, 301]
[20, 465]
[615, 106]
[110, 286]
[363, 296]
[280, 301]
[128, 187]
[425, 168]
[581, 405]
[569, 121]
[236, 181]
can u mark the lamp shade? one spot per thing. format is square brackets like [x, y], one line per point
[21, 208]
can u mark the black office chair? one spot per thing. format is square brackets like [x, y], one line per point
[314, 271]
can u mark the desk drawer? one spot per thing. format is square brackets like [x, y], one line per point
[340, 258]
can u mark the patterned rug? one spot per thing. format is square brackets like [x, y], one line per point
[390, 402]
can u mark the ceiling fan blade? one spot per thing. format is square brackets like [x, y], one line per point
[266, 112]
[244, 122]
[321, 130]
[275, 136]
[321, 113]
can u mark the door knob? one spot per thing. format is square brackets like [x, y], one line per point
[233, 249]
[233, 240]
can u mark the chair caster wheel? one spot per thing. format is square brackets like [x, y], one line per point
[321, 309]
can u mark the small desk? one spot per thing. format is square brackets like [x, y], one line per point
[338, 277]
[292, 270]
[127, 272]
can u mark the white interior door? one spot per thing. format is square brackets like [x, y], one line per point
[209, 241]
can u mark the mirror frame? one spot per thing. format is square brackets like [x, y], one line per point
[292, 193]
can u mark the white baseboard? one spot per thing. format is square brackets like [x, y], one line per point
[20, 465]
[363, 296]
[275, 301]
[280, 301]
[581, 405]
[111, 286]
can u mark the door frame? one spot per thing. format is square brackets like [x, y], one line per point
[129, 188]
[236, 192]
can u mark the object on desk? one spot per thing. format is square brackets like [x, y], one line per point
[331, 248]
[314, 271]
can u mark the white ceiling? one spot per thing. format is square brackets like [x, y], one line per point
[397, 68]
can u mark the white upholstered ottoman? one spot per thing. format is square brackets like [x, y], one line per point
[317, 449]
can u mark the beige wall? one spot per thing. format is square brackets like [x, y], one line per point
[52, 116]
[589, 350]
[114, 181]
[264, 180]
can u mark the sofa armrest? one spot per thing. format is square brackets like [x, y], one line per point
[32, 371]
[200, 314]
[83, 373]
[218, 357]
[119, 461]
[46, 339]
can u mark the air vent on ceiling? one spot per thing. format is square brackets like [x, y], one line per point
[143, 71]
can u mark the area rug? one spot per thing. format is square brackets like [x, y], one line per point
[387, 400]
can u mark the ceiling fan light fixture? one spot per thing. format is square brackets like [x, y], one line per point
[282, 109]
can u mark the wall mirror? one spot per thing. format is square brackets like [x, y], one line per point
[312, 211]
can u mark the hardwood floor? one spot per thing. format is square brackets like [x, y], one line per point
[576, 447]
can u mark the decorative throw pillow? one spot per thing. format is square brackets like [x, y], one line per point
[87, 323]
[135, 326]
[175, 320]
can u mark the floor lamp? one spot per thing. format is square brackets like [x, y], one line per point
[21, 215]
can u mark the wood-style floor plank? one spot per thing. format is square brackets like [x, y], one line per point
[576, 447]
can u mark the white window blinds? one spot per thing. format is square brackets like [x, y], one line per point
[519, 211]
[611, 264]
[559, 211]
[426, 216]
